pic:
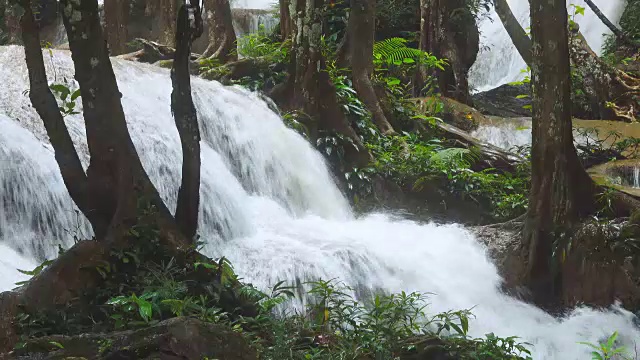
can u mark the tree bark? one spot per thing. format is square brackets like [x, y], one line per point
[46, 106]
[517, 34]
[309, 87]
[222, 37]
[116, 16]
[286, 23]
[448, 30]
[561, 191]
[119, 186]
[614, 29]
[184, 112]
[11, 24]
[361, 32]
[163, 25]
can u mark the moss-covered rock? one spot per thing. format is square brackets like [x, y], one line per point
[176, 338]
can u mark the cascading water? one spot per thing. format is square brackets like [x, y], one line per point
[499, 62]
[268, 205]
[253, 4]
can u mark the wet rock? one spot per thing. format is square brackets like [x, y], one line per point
[503, 101]
[597, 270]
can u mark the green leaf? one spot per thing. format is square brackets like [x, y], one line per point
[75, 95]
[522, 96]
[145, 309]
[56, 344]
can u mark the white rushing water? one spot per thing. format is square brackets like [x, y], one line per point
[499, 62]
[281, 215]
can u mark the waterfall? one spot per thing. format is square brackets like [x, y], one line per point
[499, 62]
[248, 21]
[253, 4]
[281, 215]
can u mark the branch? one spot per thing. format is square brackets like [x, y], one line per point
[614, 29]
[46, 106]
[186, 120]
[517, 34]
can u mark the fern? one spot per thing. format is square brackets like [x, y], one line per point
[395, 51]
[456, 154]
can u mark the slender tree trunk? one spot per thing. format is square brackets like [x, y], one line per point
[222, 37]
[614, 29]
[361, 31]
[186, 119]
[561, 191]
[46, 106]
[116, 14]
[286, 24]
[517, 34]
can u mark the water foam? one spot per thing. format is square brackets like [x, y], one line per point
[281, 216]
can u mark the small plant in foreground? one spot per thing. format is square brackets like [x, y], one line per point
[608, 350]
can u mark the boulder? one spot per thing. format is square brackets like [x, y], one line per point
[503, 101]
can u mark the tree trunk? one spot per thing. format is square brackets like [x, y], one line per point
[184, 112]
[561, 191]
[286, 24]
[309, 87]
[120, 188]
[46, 106]
[448, 30]
[11, 22]
[116, 16]
[517, 34]
[163, 26]
[222, 37]
[361, 31]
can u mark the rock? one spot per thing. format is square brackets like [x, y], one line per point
[425, 348]
[596, 271]
[178, 338]
[502, 101]
[65, 279]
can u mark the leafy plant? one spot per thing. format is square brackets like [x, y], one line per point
[259, 44]
[607, 350]
[66, 97]
[37, 270]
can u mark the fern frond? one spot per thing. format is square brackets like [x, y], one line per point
[456, 154]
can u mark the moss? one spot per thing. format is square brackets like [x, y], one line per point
[167, 64]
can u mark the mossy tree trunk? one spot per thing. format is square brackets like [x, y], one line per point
[309, 87]
[222, 37]
[561, 191]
